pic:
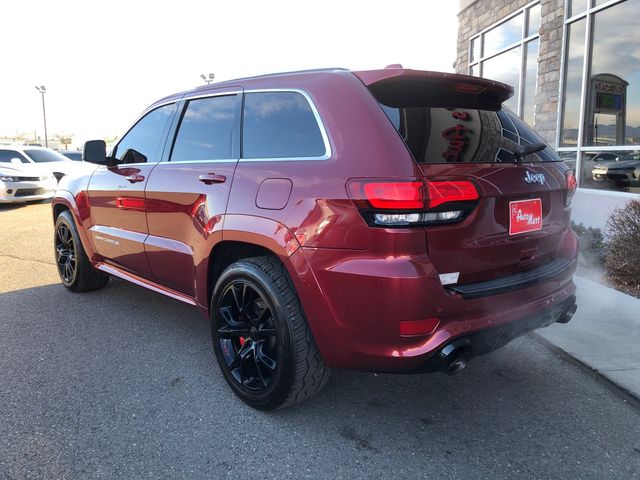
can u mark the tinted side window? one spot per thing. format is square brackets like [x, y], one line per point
[280, 125]
[206, 129]
[7, 155]
[143, 139]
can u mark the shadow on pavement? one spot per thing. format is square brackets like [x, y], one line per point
[123, 380]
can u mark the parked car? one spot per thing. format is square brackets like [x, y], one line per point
[622, 168]
[45, 160]
[387, 220]
[74, 155]
[24, 183]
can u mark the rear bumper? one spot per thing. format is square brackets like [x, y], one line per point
[354, 303]
[491, 339]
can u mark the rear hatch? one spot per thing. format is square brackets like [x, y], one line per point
[457, 131]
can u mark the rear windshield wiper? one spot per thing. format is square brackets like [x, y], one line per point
[526, 150]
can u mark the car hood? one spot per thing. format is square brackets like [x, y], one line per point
[25, 169]
[68, 167]
[623, 164]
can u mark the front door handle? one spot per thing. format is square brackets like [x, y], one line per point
[210, 178]
[134, 178]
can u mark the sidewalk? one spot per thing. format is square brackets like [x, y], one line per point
[603, 336]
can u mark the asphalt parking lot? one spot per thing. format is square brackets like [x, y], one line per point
[121, 383]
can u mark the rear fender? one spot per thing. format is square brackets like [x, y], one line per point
[260, 231]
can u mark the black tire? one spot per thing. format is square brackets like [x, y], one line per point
[263, 344]
[74, 268]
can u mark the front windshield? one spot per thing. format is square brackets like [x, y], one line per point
[42, 156]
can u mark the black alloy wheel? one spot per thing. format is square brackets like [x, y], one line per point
[261, 339]
[74, 267]
[65, 253]
[247, 335]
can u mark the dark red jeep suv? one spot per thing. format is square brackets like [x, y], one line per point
[388, 220]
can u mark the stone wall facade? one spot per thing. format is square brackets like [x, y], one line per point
[477, 15]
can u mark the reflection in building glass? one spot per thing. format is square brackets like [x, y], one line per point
[606, 100]
[572, 84]
[530, 80]
[503, 35]
[505, 68]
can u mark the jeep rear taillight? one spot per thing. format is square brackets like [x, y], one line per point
[572, 185]
[443, 192]
[409, 195]
[396, 203]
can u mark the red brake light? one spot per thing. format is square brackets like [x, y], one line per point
[572, 185]
[408, 202]
[443, 192]
[469, 88]
[402, 195]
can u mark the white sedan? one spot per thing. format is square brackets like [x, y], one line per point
[43, 160]
[24, 183]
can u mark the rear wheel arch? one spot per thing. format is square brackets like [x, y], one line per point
[58, 208]
[227, 252]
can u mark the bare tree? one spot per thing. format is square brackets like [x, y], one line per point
[64, 139]
[19, 137]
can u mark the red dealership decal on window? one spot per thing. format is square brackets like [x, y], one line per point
[457, 137]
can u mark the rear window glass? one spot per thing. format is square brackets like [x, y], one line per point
[460, 135]
[280, 125]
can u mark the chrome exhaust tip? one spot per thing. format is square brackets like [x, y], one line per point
[456, 365]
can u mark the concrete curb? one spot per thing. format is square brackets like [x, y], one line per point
[625, 394]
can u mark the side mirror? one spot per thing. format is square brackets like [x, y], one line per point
[95, 151]
[16, 162]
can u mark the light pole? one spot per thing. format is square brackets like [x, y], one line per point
[208, 79]
[42, 89]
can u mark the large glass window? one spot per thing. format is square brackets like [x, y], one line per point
[572, 84]
[140, 144]
[508, 53]
[505, 34]
[280, 125]
[530, 81]
[614, 86]
[601, 90]
[206, 130]
[505, 68]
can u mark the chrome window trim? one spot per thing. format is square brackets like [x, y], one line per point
[217, 160]
[321, 127]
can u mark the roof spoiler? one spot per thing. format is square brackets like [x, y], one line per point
[401, 87]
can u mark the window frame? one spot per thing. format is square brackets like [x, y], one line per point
[182, 110]
[159, 154]
[581, 149]
[323, 132]
[522, 44]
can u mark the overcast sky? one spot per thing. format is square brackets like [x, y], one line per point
[104, 62]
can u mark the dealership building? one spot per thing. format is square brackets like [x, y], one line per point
[575, 69]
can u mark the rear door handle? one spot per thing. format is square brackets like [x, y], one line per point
[134, 178]
[211, 178]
